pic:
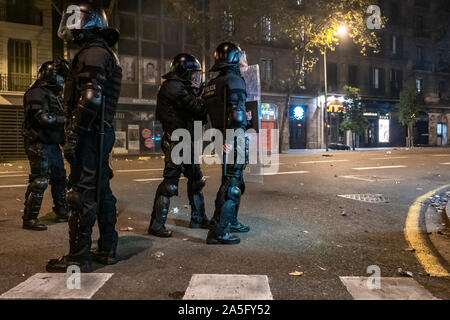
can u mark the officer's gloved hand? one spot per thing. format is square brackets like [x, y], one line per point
[70, 146]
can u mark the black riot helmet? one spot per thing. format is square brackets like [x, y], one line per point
[186, 67]
[83, 19]
[227, 54]
[53, 73]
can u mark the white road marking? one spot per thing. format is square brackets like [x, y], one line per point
[368, 179]
[389, 158]
[390, 289]
[358, 178]
[440, 155]
[54, 286]
[322, 161]
[13, 175]
[280, 173]
[381, 167]
[446, 163]
[228, 287]
[15, 186]
[138, 170]
[9, 172]
[160, 179]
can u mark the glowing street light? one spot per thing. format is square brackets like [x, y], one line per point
[342, 30]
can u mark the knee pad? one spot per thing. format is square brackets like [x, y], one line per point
[234, 194]
[169, 189]
[73, 200]
[198, 185]
[39, 185]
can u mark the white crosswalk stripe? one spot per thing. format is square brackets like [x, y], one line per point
[228, 287]
[58, 286]
[364, 288]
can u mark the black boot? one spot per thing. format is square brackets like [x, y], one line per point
[220, 226]
[199, 223]
[159, 215]
[34, 224]
[33, 201]
[61, 265]
[239, 227]
[80, 229]
[197, 202]
[61, 215]
[226, 238]
[104, 257]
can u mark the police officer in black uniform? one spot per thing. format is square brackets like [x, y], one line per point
[93, 85]
[178, 105]
[225, 98]
[43, 131]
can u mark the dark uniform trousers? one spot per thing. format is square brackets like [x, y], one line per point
[172, 174]
[82, 197]
[47, 166]
[228, 198]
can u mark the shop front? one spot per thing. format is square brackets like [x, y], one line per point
[384, 129]
[335, 114]
[137, 131]
[269, 116]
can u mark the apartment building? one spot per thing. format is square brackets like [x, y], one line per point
[25, 43]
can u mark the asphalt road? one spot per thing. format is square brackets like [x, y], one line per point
[296, 218]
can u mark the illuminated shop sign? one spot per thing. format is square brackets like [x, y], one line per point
[298, 113]
[336, 108]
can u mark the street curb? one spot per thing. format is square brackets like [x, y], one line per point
[438, 228]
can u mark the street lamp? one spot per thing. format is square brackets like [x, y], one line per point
[342, 30]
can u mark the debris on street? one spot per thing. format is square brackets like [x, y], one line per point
[126, 229]
[404, 273]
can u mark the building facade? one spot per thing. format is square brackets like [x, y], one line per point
[25, 43]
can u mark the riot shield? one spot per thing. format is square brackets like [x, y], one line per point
[254, 171]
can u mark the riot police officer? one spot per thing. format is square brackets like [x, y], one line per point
[91, 95]
[225, 98]
[43, 131]
[178, 106]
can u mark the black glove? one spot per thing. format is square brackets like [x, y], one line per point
[70, 146]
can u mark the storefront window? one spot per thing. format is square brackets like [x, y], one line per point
[137, 133]
[269, 111]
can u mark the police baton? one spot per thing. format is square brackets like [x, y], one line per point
[224, 170]
[100, 155]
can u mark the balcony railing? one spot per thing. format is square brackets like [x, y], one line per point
[15, 82]
[31, 16]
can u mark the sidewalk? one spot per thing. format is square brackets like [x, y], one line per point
[307, 151]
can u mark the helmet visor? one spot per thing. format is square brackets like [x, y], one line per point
[78, 17]
[243, 60]
[196, 78]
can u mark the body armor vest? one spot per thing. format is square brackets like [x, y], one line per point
[53, 105]
[111, 85]
[225, 98]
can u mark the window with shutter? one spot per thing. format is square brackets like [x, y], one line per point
[19, 64]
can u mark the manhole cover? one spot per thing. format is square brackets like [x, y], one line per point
[371, 198]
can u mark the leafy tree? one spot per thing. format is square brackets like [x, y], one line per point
[354, 119]
[306, 29]
[408, 108]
